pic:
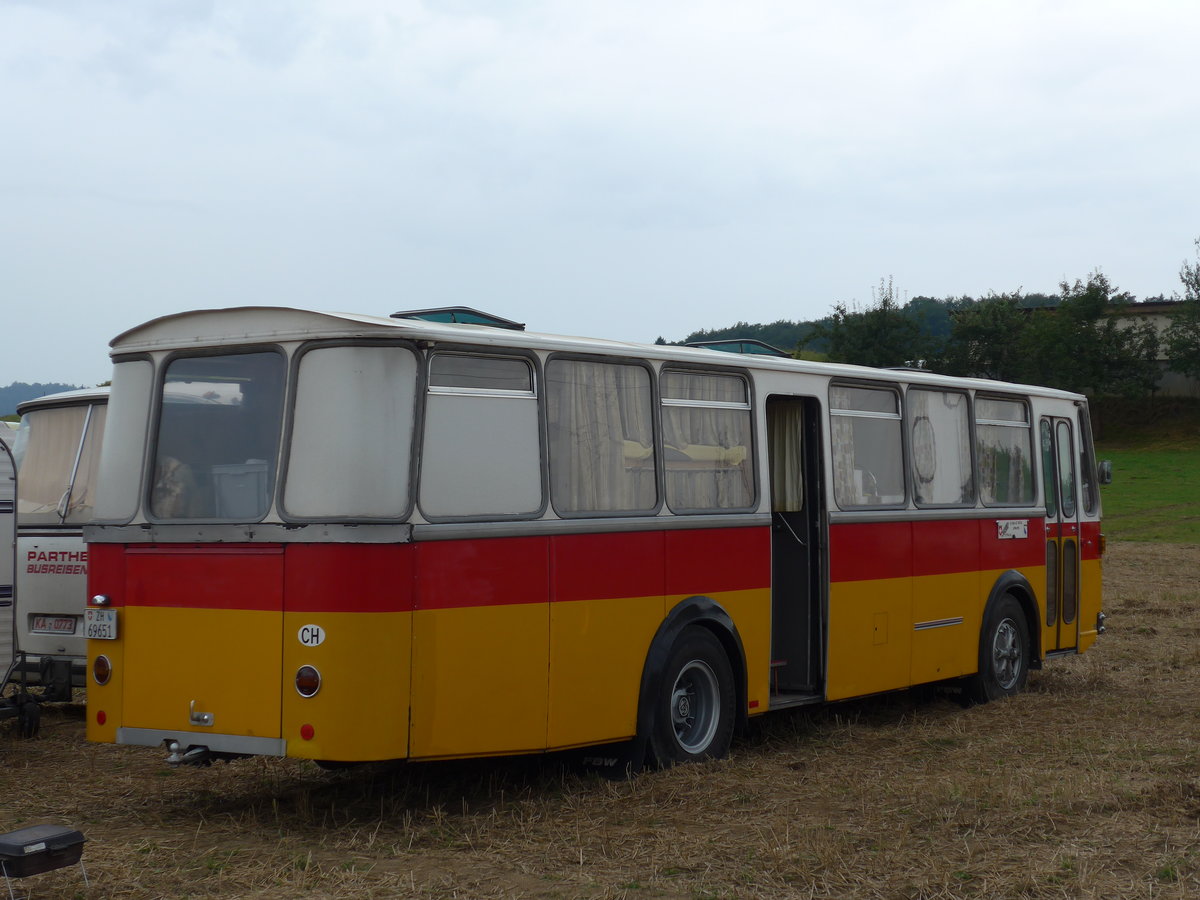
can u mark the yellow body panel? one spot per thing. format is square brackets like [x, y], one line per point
[106, 698]
[1090, 601]
[751, 613]
[597, 652]
[361, 710]
[870, 636]
[480, 680]
[949, 650]
[227, 662]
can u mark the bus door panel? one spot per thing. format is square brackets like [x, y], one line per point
[794, 450]
[481, 638]
[202, 635]
[1059, 480]
[607, 602]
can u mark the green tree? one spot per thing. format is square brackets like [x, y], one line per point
[880, 335]
[1182, 337]
[1086, 345]
[988, 339]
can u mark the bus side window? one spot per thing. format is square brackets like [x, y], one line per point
[868, 453]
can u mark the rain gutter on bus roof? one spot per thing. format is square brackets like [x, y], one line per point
[157, 334]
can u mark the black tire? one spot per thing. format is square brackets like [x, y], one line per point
[1004, 652]
[29, 719]
[693, 706]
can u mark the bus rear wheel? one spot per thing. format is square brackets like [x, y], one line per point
[694, 712]
[1003, 653]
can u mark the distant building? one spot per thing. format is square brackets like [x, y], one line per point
[1158, 313]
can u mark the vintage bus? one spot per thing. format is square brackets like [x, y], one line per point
[57, 449]
[348, 538]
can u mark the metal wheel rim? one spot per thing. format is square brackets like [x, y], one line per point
[695, 706]
[1007, 657]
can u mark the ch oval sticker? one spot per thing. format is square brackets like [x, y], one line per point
[311, 635]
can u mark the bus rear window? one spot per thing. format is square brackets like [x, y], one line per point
[218, 437]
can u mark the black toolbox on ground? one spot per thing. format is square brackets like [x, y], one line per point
[39, 848]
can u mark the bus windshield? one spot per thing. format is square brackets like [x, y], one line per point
[218, 437]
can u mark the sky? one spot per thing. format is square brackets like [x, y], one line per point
[613, 168]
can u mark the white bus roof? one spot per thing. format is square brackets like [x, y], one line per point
[269, 324]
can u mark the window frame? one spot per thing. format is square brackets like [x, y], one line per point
[1034, 445]
[655, 429]
[750, 405]
[285, 450]
[973, 501]
[537, 395]
[901, 415]
[153, 433]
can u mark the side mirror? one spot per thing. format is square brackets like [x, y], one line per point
[1104, 473]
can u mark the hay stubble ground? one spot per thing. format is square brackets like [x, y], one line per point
[1088, 785]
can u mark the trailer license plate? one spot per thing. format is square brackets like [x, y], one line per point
[100, 624]
[53, 625]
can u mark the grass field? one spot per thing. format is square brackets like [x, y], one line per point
[1154, 495]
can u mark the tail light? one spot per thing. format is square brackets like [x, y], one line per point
[101, 669]
[308, 681]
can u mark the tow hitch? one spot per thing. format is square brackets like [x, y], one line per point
[192, 756]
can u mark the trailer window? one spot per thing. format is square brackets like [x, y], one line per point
[47, 445]
[351, 442]
[218, 437]
[481, 453]
[940, 442]
[601, 431]
[1005, 450]
[706, 441]
[868, 451]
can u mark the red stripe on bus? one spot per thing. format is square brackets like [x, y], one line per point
[349, 577]
[870, 551]
[204, 577]
[714, 560]
[592, 566]
[494, 572]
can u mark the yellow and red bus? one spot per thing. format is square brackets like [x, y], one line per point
[348, 538]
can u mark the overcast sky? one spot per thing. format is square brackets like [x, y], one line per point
[614, 168]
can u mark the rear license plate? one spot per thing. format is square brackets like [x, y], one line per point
[53, 625]
[100, 624]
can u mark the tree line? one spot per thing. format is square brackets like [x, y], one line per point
[1088, 338]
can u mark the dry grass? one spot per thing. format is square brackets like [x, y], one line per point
[1086, 786]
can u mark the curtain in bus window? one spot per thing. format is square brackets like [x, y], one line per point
[351, 443]
[940, 438]
[706, 441]
[83, 490]
[1004, 444]
[868, 449]
[784, 435]
[601, 437]
[218, 437]
[50, 446]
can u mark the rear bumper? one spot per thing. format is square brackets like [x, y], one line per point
[239, 744]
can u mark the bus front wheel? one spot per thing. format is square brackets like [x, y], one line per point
[694, 711]
[1003, 652]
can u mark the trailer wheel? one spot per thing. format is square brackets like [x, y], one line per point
[693, 710]
[29, 718]
[1003, 652]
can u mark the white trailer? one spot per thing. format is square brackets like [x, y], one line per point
[57, 449]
